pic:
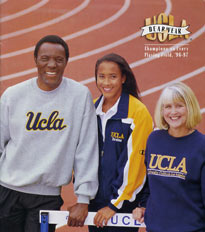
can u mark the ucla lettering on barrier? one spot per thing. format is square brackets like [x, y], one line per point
[119, 219]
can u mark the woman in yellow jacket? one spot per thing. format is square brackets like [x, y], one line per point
[124, 125]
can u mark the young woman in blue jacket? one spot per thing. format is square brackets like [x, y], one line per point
[124, 125]
[175, 159]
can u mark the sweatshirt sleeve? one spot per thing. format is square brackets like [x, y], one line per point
[86, 158]
[143, 196]
[4, 122]
[126, 187]
[203, 184]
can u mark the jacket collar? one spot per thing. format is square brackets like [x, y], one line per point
[123, 106]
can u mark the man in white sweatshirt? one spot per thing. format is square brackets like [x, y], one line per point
[48, 130]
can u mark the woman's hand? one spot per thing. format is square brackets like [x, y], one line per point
[138, 214]
[102, 216]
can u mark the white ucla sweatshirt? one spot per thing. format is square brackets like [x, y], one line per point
[45, 136]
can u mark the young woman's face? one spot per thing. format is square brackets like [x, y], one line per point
[175, 114]
[110, 80]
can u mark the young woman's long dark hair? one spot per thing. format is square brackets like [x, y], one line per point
[130, 85]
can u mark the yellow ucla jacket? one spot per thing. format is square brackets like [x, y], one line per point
[122, 171]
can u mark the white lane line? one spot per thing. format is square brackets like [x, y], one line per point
[142, 61]
[203, 110]
[106, 47]
[101, 24]
[157, 88]
[23, 12]
[18, 74]
[74, 35]
[95, 51]
[116, 43]
[46, 24]
[160, 87]
[146, 60]
[3, 1]
[182, 78]
[132, 65]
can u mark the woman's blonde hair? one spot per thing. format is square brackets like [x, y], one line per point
[178, 92]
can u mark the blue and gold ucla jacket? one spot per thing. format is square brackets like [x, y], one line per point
[122, 171]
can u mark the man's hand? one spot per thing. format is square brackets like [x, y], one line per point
[102, 216]
[77, 214]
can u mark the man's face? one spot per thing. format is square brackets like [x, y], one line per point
[51, 62]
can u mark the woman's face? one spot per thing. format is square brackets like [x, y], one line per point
[110, 80]
[175, 114]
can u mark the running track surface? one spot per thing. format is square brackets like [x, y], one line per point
[94, 28]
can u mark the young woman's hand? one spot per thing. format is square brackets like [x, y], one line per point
[138, 214]
[102, 216]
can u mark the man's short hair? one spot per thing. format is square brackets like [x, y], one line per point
[52, 39]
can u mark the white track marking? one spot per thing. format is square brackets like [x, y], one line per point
[3, 1]
[182, 78]
[101, 24]
[132, 65]
[95, 51]
[46, 24]
[203, 110]
[23, 12]
[92, 28]
[74, 35]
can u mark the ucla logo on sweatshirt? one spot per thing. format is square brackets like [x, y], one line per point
[170, 166]
[36, 122]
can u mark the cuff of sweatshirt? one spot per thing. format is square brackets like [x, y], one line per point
[110, 205]
[83, 199]
[142, 205]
